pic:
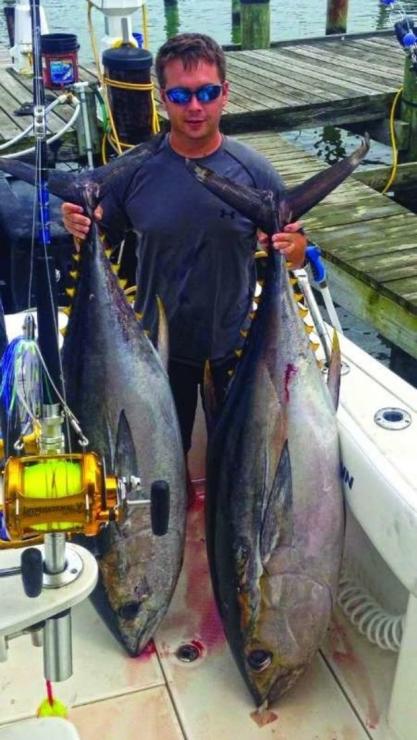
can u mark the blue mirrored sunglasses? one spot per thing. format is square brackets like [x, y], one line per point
[183, 95]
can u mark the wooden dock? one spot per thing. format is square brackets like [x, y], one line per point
[300, 84]
[312, 82]
[369, 241]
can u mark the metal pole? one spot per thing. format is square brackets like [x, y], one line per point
[337, 13]
[47, 313]
[255, 24]
[57, 630]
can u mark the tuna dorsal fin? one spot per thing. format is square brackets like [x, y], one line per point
[335, 364]
[277, 522]
[261, 206]
[162, 340]
[125, 462]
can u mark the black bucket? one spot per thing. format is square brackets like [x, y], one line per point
[131, 109]
[59, 59]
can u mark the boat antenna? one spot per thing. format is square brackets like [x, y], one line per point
[46, 293]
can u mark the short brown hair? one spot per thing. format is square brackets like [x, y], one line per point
[191, 48]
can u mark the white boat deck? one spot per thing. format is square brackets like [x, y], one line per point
[344, 695]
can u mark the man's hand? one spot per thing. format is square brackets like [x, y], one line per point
[290, 242]
[76, 222]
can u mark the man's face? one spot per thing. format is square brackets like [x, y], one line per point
[195, 120]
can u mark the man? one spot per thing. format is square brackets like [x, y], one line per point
[193, 251]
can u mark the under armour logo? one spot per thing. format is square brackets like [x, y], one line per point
[224, 213]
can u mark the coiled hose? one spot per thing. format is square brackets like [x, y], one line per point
[369, 618]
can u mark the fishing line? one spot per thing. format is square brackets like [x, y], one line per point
[43, 228]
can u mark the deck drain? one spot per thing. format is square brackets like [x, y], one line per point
[189, 652]
[392, 418]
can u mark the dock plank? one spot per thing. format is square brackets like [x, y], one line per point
[352, 78]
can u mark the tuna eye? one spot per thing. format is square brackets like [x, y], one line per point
[259, 660]
[129, 610]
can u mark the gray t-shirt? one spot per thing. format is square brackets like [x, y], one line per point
[194, 252]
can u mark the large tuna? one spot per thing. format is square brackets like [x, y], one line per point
[117, 387]
[274, 503]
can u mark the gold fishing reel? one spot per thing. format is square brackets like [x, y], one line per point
[71, 493]
[59, 492]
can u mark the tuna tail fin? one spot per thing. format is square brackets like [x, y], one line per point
[257, 205]
[265, 210]
[302, 198]
[333, 376]
[69, 186]
[65, 185]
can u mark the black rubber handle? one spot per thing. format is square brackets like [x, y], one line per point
[32, 571]
[159, 507]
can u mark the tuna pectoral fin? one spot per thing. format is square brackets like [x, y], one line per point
[333, 376]
[277, 521]
[125, 461]
[162, 340]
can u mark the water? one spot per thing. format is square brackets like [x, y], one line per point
[293, 19]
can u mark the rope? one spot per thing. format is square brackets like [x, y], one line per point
[110, 132]
[394, 167]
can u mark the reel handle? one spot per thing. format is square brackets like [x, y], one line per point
[32, 571]
[160, 504]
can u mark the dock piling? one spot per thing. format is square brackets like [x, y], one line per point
[408, 110]
[236, 20]
[337, 13]
[255, 24]
[172, 18]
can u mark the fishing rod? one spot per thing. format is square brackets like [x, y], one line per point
[46, 293]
